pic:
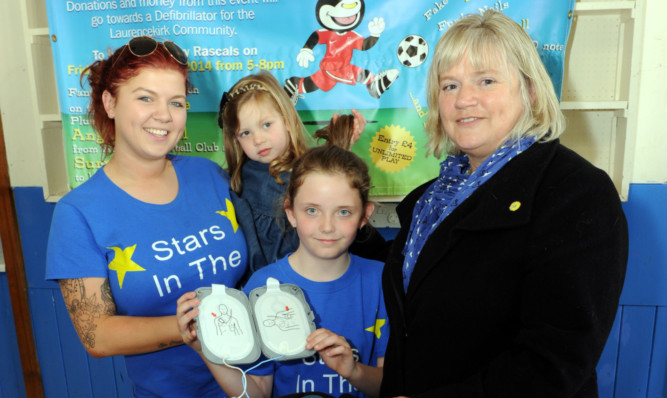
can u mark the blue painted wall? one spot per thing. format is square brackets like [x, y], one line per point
[633, 364]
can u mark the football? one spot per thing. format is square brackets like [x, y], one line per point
[412, 51]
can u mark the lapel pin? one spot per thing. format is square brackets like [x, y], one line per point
[515, 206]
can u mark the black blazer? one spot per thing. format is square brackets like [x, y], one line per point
[506, 301]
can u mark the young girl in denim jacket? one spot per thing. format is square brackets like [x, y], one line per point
[263, 137]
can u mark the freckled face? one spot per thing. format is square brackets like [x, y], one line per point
[479, 108]
[262, 133]
[149, 113]
[327, 212]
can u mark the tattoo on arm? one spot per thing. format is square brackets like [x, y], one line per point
[86, 310]
[107, 298]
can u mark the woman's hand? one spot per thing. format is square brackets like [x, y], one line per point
[186, 311]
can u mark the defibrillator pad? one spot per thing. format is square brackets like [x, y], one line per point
[275, 319]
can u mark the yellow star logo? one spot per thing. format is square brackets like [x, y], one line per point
[377, 327]
[123, 263]
[230, 214]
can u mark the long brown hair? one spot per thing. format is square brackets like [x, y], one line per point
[330, 159]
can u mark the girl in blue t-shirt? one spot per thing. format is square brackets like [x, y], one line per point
[326, 202]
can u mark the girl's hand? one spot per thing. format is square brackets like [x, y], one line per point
[359, 127]
[186, 311]
[334, 350]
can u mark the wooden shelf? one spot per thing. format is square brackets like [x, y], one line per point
[593, 105]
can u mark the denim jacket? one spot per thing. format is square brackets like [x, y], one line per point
[259, 211]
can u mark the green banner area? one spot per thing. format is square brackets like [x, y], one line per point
[393, 145]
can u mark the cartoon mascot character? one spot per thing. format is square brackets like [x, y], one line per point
[338, 19]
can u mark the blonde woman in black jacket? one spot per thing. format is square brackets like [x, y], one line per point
[505, 276]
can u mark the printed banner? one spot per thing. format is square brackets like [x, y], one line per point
[228, 39]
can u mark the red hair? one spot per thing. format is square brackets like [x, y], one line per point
[109, 74]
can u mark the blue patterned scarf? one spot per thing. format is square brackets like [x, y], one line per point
[451, 188]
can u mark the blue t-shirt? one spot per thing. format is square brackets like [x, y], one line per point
[351, 306]
[152, 254]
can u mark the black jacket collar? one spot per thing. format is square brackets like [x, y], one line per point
[517, 182]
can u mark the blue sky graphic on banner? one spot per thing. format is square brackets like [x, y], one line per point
[228, 39]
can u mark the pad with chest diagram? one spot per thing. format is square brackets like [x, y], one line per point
[275, 319]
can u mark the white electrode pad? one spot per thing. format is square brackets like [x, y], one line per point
[233, 329]
[283, 319]
[225, 329]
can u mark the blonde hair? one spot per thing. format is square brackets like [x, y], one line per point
[490, 40]
[262, 88]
